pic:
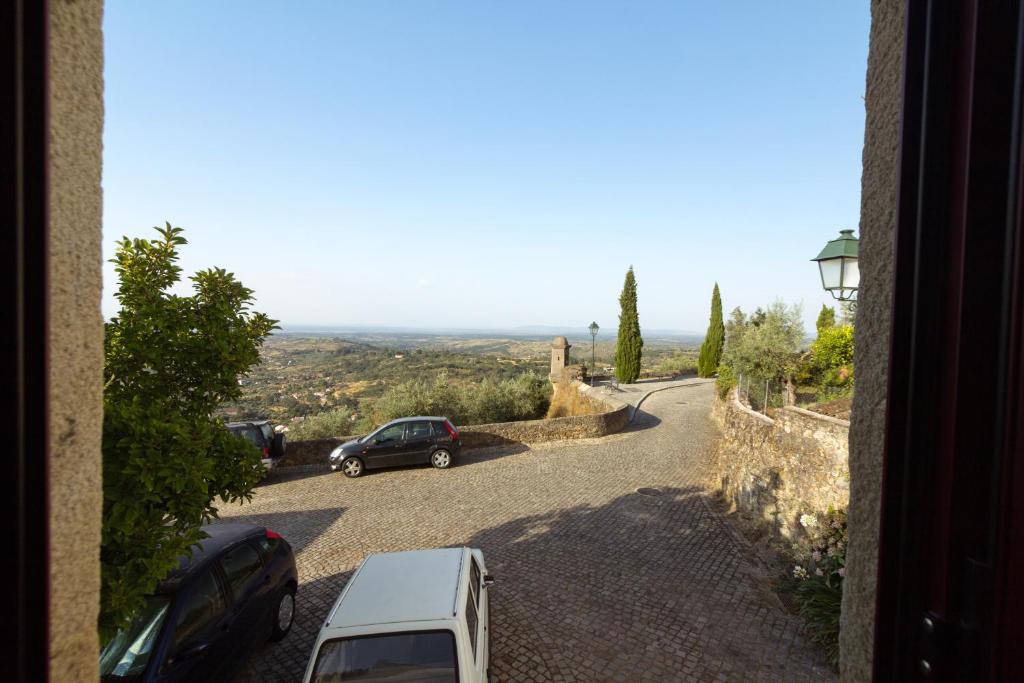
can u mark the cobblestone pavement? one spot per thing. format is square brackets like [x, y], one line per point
[595, 582]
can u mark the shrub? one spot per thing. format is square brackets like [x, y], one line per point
[831, 363]
[678, 363]
[337, 422]
[524, 397]
[834, 347]
[817, 584]
[726, 380]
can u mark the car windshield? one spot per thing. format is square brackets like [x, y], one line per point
[124, 657]
[427, 656]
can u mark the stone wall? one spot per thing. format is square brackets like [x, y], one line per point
[311, 451]
[315, 451]
[781, 468]
[537, 431]
[883, 104]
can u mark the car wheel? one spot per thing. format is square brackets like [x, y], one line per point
[352, 467]
[284, 615]
[441, 459]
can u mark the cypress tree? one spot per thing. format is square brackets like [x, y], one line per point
[711, 350]
[630, 344]
[826, 319]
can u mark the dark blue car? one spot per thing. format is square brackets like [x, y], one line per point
[236, 591]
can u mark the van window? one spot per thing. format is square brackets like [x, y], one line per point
[474, 581]
[472, 621]
[418, 656]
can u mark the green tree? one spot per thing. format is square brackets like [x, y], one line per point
[629, 348]
[714, 341]
[834, 347]
[769, 349]
[170, 360]
[826, 318]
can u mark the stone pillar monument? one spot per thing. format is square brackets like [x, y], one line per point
[559, 357]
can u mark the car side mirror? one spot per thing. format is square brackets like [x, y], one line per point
[488, 580]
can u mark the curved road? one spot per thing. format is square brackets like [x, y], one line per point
[595, 582]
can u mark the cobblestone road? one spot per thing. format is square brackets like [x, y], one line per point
[595, 582]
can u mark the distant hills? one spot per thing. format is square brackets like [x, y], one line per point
[574, 332]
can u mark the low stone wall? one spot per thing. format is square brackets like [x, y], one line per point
[315, 451]
[779, 469]
[556, 429]
[311, 451]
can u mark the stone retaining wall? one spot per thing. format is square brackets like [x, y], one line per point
[311, 451]
[315, 451]
[778, 469]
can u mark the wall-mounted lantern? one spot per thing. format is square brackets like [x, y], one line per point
[840, 274]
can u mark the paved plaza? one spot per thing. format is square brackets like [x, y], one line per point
[594, 581]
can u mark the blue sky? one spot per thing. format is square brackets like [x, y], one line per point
[482, 164]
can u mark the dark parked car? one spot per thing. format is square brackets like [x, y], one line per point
[406, 441]
[236, 591]
[261, 435]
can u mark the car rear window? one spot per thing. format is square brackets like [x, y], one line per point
[268, 545]
[419, 656]
[252, 435]
[268, 432]
[419, 430]
[441, 430]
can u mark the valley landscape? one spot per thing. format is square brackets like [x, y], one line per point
[304, 373]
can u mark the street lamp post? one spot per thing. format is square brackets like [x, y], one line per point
[593, 352]
[840, 274]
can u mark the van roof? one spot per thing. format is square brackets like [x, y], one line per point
[416, 585]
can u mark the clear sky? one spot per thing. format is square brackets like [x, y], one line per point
[483, 164]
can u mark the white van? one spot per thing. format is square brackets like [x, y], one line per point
[420, 615]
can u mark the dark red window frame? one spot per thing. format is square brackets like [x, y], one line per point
[948, 605]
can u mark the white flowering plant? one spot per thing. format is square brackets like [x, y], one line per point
[817, 583]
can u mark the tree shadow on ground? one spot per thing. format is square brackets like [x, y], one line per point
[299, 527]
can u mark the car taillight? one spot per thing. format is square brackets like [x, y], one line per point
[273, 534]
[266, 452]
[451, 430]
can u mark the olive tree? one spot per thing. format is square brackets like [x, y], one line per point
[170, 360]
[767, 345]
